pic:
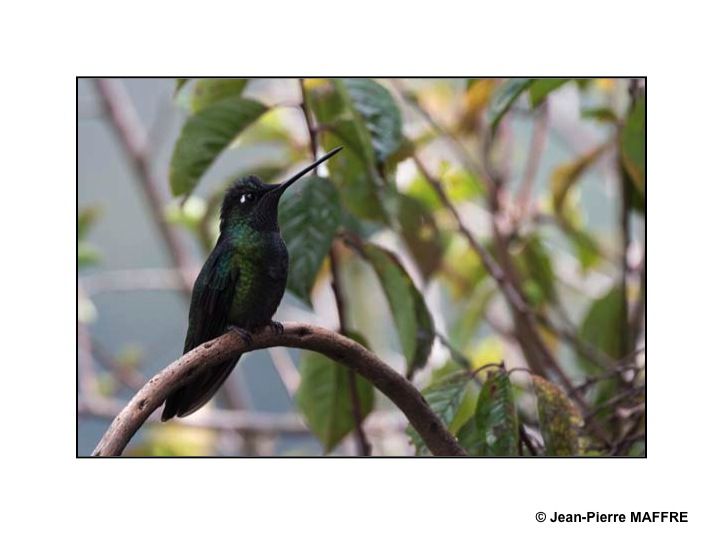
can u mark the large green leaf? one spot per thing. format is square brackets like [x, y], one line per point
[540, 88]
[412, 319]
[381, 115]
[353, 170]
[324, 398]
[503, 97]
[444, 398]
[632, 144]
[309, 217]
[601, 325]
[205, 135]
[496, 430]
[560, 419]
[210, 91]
[420, 233]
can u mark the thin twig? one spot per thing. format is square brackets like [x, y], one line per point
[312, 130]
[127, 375]
[525, 439]
[618, 398]
[638, 312]
[244, 422]
[537, 145]
[624, 319]
[536, 352]
[132, 279]
[87, 379]
[362, 440]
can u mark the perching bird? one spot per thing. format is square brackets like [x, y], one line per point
[241, 284]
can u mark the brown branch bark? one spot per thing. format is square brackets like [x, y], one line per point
[538, 356]
[303, 336]
[537, 145]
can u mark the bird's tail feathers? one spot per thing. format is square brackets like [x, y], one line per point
[189, 398]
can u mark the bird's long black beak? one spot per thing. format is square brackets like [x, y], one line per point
[287, 183]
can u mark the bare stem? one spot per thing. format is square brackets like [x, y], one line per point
[535, 351]
[362, 440]
[303, 336]
[537, 145]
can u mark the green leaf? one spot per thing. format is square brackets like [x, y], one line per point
[87, 255]
[420, 190]
[189, 215]
[632, 144]
[636, 200]
[324, 398]
[444, 398]
[472, 313]
[565, 176]
[210, 91]
[536, 267]
[503, 97]
[179, 83]
[309, 217]
[382, 117]
[87, 217]
[540, 88]
[354, 170]
[601, 325]
[495, 432]
[600, 114]
[271, 127]
[585, 245]
[462, 268]
[420, 233]
[412, 318]
[560, 419]
[205, 135]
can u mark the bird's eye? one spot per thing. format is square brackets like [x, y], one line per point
[246, 197]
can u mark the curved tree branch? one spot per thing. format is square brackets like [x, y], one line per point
[298, 335]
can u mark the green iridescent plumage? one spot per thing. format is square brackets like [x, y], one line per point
[241, 283]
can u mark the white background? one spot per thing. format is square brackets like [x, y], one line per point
[48, 493]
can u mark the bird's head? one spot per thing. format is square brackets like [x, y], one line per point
[249, 201]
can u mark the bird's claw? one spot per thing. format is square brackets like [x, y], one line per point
[277, 327]
[244, 334]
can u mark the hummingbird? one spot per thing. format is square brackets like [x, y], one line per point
[241, 283]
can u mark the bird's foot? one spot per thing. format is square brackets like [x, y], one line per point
[277, 327]
[244, 334]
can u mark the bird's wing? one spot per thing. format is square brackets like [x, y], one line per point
[209, 310]
[212, 296]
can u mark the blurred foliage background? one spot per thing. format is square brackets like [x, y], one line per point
[486, 237]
